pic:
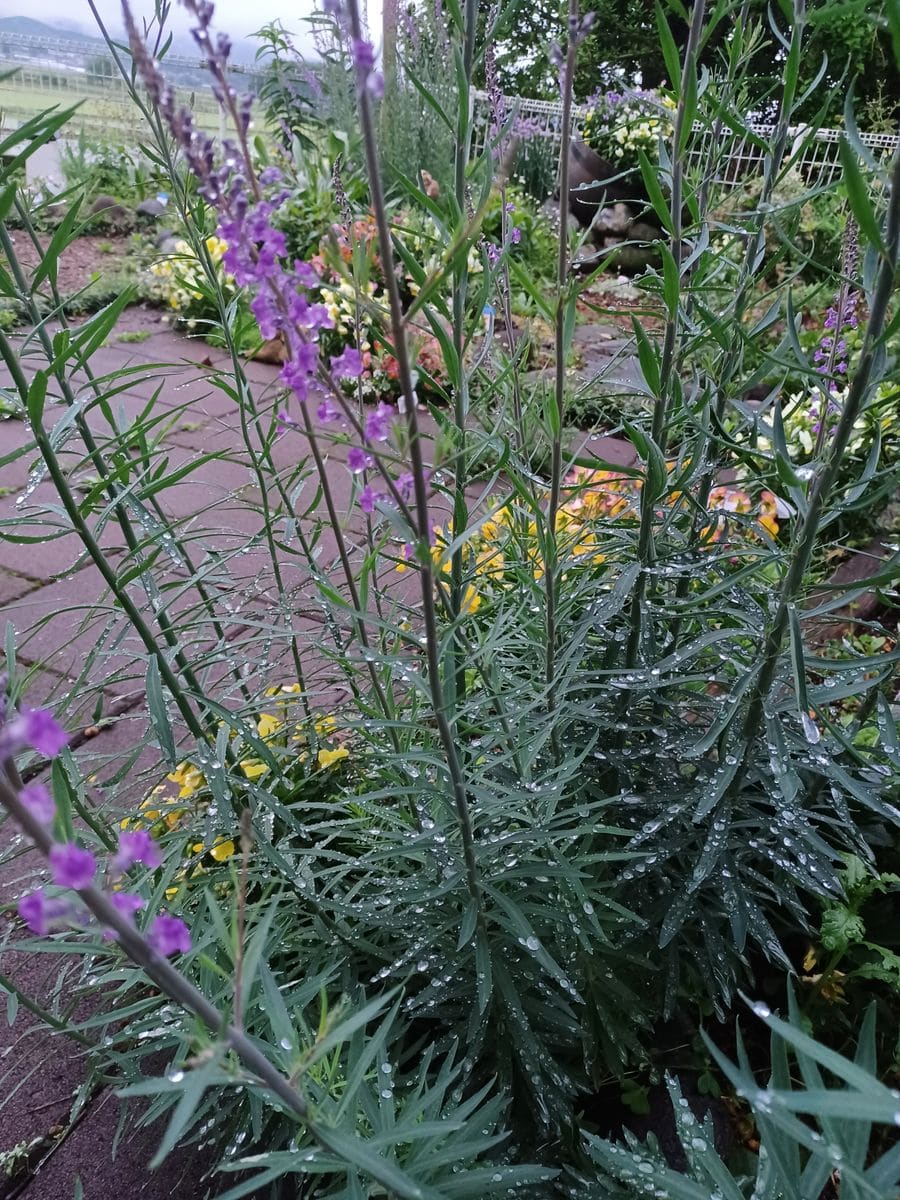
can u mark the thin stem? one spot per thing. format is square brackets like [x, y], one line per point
[423, 523]
[551, 549]
[826, 474]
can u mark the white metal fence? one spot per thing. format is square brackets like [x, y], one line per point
[737, 158]
[68, 72]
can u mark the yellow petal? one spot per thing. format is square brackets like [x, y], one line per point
[327, 758]
[223, 849]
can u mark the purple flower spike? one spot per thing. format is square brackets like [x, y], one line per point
[72, 867]
[348, 364]
[358, 460]
[39, 803]
[363, 54]
[41, 912]
[37, 728]
[136, 847]
[515, 235]
[169, 935]
[377, 423]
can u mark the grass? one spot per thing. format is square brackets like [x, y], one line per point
[101, 110]
[133, 335]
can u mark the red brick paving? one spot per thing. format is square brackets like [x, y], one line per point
[59, 614]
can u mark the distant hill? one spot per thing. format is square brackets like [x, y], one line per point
[29, 27]
[182, 43]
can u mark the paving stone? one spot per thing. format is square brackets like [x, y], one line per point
[109, 1165]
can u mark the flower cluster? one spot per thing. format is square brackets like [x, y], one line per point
[804, 412]
[595, 498]
[620, 124]
[178, 282]
[166, 808]
[354, 303]
[73, 868]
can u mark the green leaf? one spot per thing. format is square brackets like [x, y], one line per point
[841, 928]
[34, 403]
[159, 715]
[858, 196]
[669, 49]
[195, 1083]
[654, 191]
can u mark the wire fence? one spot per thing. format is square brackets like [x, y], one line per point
[815, 151]
[36, 73]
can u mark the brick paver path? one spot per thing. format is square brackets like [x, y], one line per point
[56, 600]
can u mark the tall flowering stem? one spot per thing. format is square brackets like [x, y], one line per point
[462, 148]
[75, 868]
[551, 553]
[417, 464]
[670, 338]
[825, 473]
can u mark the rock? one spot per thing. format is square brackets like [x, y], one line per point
[642, 231]
[614, 220]
[271, 351]
[630, 258]
[111, 213]
[150, 208]
[593, 186]
[166, 241]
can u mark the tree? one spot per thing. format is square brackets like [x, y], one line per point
[624, 48]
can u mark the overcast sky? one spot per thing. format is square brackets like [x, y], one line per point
[237, 17]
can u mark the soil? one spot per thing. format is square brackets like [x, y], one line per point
[86, 259]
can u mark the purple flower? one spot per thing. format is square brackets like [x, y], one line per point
[72, 867]
[169, 935]
[375, 84]
[37, 728]
[358, 460]
[515, 235]
[326, 411]
[296, 373]
[135, 847]
[305, 274]
[39, 803]
[377, 423]
[270, 175]
[405, 483]
[284, 421]
[348, 364]
[363, 54]
[368, 498]
[41, 912]
[493, 254]
[127, 904]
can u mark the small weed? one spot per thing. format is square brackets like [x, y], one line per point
[133, 335]
[105, 248]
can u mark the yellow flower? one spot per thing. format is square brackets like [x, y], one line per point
[327, 758]
[326, 726]
[223, 849]
[267, 725]
[471, 600]
[188, 778]
[253, 768]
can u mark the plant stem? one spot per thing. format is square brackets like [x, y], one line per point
[423, 521]
[826, 474]
[551, 549]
